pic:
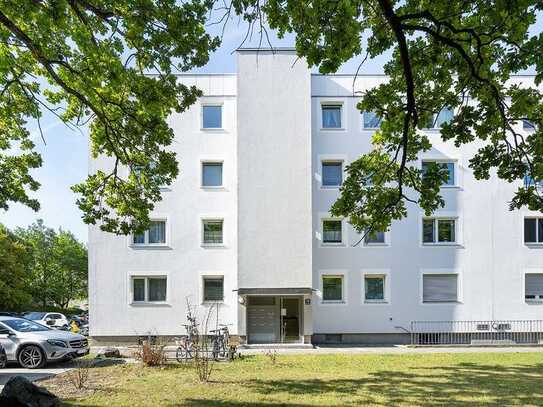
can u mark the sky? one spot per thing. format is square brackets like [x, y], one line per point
[65, 151]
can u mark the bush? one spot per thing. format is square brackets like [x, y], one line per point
[151, 354]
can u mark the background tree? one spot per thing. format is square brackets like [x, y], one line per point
[14, 294]
[56, 265]
[459, 54]
[85, 61]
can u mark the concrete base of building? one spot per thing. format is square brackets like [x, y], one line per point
[361, 339]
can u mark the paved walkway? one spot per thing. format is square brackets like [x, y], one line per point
[33, 374]
[399, 349]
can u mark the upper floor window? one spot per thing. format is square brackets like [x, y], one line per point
[212, 231]
[331, 116]
[440, 288]
[332, 173]
[438, 120]
[156, 234]
[332, 231]
[533, 287]
[332, 288]
[438, 230]
[149, 289]
[533, 230]
[527, 125]
[370, 120]
[449, 166]
[375, 238]
[529, 181]
[212, 116]
[213, 288]
[212, 174]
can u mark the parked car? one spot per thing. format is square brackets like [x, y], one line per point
[7, 314]
[52, 319]
[32, 345]
[3, 357]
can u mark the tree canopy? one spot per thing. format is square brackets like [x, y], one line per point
[94, 55]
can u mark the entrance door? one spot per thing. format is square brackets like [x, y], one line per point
[290, 319]
[263, 319]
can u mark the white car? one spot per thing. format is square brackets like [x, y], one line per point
[50, 319]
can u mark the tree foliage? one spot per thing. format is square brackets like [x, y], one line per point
[85, 61]
[459, 54]
[13, 277]
[55, 265]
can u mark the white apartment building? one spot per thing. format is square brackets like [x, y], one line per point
[246, 227]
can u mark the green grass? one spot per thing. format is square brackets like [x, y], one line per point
[499, 379]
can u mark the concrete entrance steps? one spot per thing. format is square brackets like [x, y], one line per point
[271, 346]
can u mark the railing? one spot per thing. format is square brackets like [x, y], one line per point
[503, 332]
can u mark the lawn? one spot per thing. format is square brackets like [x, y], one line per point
[500, 379]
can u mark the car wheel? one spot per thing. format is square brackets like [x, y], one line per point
[31, 357]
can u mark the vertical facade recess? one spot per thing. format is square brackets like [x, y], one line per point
[274, 170]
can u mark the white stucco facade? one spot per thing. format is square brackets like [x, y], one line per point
[272, 204]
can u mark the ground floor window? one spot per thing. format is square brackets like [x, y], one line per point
[440, 288]
[332, 288]
[374, 288]
[213, 288]
[149, 289]
[533, 287]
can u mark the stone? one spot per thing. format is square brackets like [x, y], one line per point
[109, 353]
[21, 392]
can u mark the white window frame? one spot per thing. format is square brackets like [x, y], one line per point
[333, 273]
[212, 218]
[436, 218]
[385, 274]
[339, 161]
[146, 276]
[211, 161]
[434, 118]
[211, 275]
[343, 232]
[459, 286]
[146, 244]
[333, 102]
[363, 128]
[211, 129]
[536, 243]
[377, 245]
[523, 284]
[445, 161]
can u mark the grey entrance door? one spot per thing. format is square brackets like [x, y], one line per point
[263, 319]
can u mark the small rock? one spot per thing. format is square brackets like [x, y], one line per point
[20, 392]
[109, 353]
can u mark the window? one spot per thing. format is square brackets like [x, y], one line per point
[533, 287]
[332, 288]
[370, 120]
[332, 231]
[527, 125]
[374, 288]
[440, 288]
[149, 289]
[438, 120]
[533, 230]
[448, 166]
[375, 238]
[212, 116]
[531, 182]
[438, 230]
[155, 235]
[213, 231]
[213, 289]
[211, 175]
[331, 116]
[332, 173]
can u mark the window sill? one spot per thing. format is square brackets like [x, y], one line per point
[324, 244]
[150, 246]
[164, 189]
[332, 129]
[450, 187]
[213, 245]
[330, 187]
[376, 245]
[213, 302]
[441, 302]
[375, 302]
[150, 304]
[330, 302]
[211, 188]
[370, 128]
[213, 129]
[454, 245]
[534, 245]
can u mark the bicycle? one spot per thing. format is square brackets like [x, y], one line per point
[185, 344]
[220, 341]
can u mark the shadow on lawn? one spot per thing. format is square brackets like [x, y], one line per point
[450, 385]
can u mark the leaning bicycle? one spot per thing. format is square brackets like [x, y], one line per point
[186, 344]
[220, 342]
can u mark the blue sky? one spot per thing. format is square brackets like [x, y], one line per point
[65, 154]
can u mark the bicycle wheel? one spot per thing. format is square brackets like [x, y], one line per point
[183, 354]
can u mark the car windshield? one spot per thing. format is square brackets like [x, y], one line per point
[24, 325]
[34, 316]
